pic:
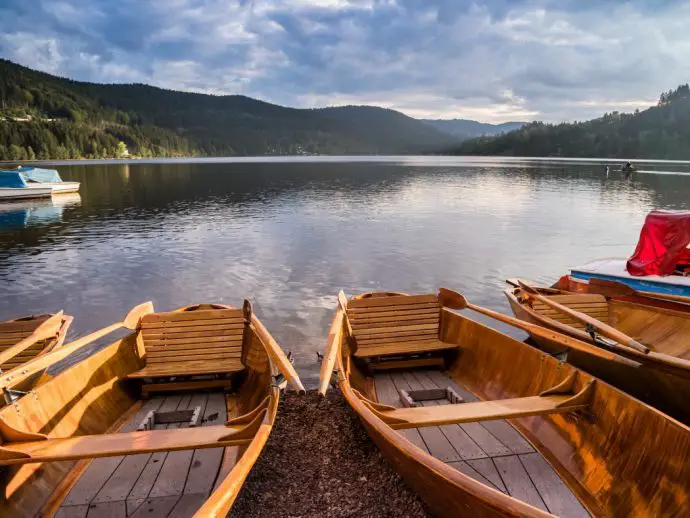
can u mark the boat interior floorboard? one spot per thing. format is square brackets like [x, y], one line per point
[492, 452]
[154, 485]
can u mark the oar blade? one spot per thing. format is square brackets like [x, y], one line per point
[451, 299]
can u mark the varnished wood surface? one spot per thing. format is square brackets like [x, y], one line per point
[491, 452]
[146, 483]
[655, 381]
[620, 457]
[21, 340]
[90, 397]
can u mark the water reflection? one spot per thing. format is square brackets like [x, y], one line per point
[27, 213]
[289, 235]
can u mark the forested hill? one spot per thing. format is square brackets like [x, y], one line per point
[465, 129]
[43, 116]
[662, 131]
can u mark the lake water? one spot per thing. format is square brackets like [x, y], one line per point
[288, 234]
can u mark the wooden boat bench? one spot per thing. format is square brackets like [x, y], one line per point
[192, 343]
[595, 306]
[394, 326]
[558, 399]
[20, 447]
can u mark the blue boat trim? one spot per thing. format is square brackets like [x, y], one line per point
[638, 284]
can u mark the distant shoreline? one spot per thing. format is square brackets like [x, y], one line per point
[417, 160]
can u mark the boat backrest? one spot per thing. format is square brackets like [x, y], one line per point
[595, 306]
[399, 318]
[203, 335]
[15, 331]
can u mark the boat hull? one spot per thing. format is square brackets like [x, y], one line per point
[614, 270]
[15, 193]
[64, 187]
[667, 390]
[620, 457]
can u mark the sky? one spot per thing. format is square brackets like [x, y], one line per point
[490, 60]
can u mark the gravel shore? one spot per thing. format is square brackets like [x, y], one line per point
[319, 461]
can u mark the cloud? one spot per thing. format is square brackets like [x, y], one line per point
[492, 60]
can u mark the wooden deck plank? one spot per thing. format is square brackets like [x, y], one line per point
[189, 368]
[387, 394]
[438, 444]
[500, 429]
[468, 470]
[72, 511]
[148, 476]
[556, 495]
[397, 300]
[173, 474]
[509, 436]
[91, 481]
[463, 443]
[485, 440]
[187, 505]
[402, 348]
[206, 463]
[127, 472]
[133, 505]
[156, 507]
[181, 316]
[108, 510]
[487, 469]
[517, 481]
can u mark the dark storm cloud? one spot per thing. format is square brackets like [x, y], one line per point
[491, 59]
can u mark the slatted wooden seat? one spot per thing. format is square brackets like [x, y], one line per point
[396, 325]
[14, 332]
[595, 306]
[191, 343]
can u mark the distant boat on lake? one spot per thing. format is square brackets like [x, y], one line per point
[33, 182]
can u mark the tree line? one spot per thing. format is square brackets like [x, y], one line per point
[661, 131]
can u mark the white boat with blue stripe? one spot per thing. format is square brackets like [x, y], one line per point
[33, 182]
[660, 263]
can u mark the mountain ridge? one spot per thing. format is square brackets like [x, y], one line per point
[49, 117]
[467, 128]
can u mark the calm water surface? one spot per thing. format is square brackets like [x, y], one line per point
[289, 235]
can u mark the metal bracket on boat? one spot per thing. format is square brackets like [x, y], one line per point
[598, 339]
[279, 380]
[12, 395]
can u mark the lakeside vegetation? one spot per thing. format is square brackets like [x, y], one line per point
[661, 131]
[47, 117]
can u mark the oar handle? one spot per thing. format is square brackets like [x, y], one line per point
[277, 355]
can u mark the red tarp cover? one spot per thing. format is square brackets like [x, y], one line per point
[663, 244]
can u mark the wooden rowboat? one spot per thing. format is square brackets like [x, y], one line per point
[23, 339]
[108, 436]
[500, 428]
[660, 377]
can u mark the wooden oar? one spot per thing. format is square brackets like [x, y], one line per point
[40, 363]
[454, 300]
[277, 355]
[47, 329]
[331, 353]
[598, 325]
[619, 289]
